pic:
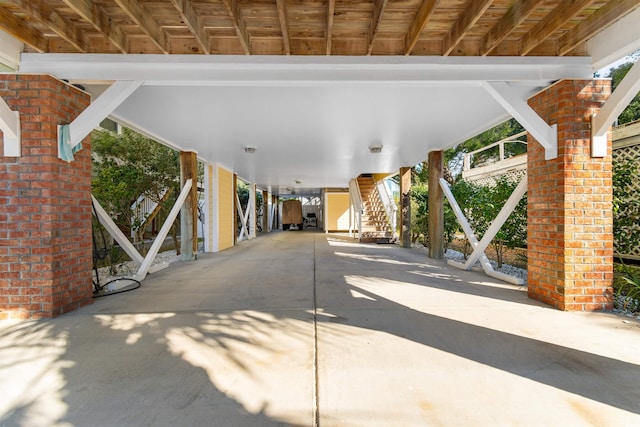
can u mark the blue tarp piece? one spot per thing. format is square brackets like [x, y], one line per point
[65, 150]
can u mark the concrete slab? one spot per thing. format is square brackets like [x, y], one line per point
[304, 329]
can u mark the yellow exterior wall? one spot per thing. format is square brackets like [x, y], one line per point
[226, 195]
[338, 211]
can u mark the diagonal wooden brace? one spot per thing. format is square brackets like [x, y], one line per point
[468, 231]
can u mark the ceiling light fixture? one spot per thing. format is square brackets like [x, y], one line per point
[249, 149]
[375, 149]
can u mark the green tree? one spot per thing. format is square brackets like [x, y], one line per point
[128, 165]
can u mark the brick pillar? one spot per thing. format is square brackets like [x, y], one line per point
[45, 205]
[570, 225]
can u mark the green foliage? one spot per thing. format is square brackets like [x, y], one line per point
[627, 287]
[632, 112]
[626, 206]
[420, 216]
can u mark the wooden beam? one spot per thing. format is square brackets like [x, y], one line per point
[38, 10]
[145, 21]
[189, 212]
[420, 21]
[516, 15]
[91, 13]
[241, 29]
[472, 13]
[284, 26]
[378, 10]
[596, 22]
[331, 9]
[265, 211]
[190, 18]
[436, 205]
[551, 23]
[22, 30]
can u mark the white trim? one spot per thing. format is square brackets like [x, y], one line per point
[545, 134]
[10, 126]
[251, 206]
[99, 109]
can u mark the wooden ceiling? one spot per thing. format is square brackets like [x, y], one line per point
[311, 27]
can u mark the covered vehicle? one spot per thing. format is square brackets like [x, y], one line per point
[292, 214]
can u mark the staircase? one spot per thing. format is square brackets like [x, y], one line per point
[375, 222]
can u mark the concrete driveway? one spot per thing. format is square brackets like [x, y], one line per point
[306, 329]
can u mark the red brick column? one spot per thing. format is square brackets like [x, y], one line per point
[570, 224]
[45, 205]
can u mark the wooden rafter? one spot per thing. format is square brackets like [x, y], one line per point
[331, 9]
[472, 13]
[39, 11]
[551, 23]
[284, 26]
[190, 18]
[241, 29]
[604, 17]
[378, 10]
[22, 30]
[515, 16]
[91, 13]
[146, 22]
[420, 21]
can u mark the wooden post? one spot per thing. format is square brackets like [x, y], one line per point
[436, 206]
[265, 211]
[189, 212]
[405, 207]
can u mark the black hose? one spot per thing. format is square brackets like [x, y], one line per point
[135, 285]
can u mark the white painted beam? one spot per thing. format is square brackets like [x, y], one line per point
[10, 126]
[159, 240]
[627, 89]
[615, 42]
[223, 69]
[545, 134]
[99, 109]
[115, 232]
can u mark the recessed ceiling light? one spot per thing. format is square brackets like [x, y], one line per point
[375, 149]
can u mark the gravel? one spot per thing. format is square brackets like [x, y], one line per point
[128, 269]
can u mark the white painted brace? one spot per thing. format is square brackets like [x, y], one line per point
[10, 126]
[546, 135]
[617, 102]
[99, 109]
[479, 247]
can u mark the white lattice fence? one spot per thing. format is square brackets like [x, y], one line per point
[624, 153]
[490, 180]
